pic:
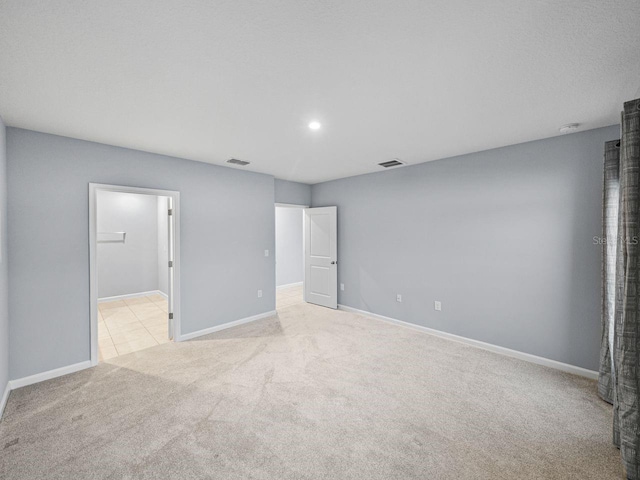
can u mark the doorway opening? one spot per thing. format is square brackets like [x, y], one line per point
[134, 269]
[289, 255]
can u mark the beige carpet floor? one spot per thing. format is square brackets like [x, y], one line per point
[310, 394]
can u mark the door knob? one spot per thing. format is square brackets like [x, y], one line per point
[334, 263]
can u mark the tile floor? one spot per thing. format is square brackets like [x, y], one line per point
[285, 297]
[129, 325]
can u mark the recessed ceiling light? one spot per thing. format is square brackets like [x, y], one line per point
[315, 125]
[569, 128]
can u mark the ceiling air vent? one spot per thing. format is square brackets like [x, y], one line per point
[235, 161]
[392, 163]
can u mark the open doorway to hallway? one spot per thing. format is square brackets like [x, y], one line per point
[289, 255]
[134, 238]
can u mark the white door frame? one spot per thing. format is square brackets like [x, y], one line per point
[93, 250]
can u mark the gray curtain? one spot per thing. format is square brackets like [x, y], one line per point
[609, 241]
[622, 373]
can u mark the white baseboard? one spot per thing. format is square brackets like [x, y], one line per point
[5, 397]
[59, 372]
[527, 357]
[279, 287]
[132, 295]
[224, 326]
[41, 377]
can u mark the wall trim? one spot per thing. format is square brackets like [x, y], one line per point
[296, 284]
[76, 367]
[5, 398]
[527, 357]
[224, 326]
[132, 295]
[48, 375]
[291, 205]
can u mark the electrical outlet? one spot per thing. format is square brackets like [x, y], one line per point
[437, 305]
[266, 253]
[259, 293]
[399, 298]
[342, 287]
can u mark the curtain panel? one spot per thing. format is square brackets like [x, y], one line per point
[620, 352]
[610, 199]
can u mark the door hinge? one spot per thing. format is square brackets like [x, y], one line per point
[170, 263]
[171, 316]
[170, 211]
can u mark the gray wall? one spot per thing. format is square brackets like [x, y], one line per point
[4, 283]
[289, 247]
[292, 192]
[227, 223]
[503, 238]
[163, 245]
[132, 266]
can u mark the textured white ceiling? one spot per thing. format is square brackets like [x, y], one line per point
[419, 80]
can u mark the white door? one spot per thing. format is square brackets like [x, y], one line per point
[320, 256]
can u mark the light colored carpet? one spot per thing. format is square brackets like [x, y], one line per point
[310, 394]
